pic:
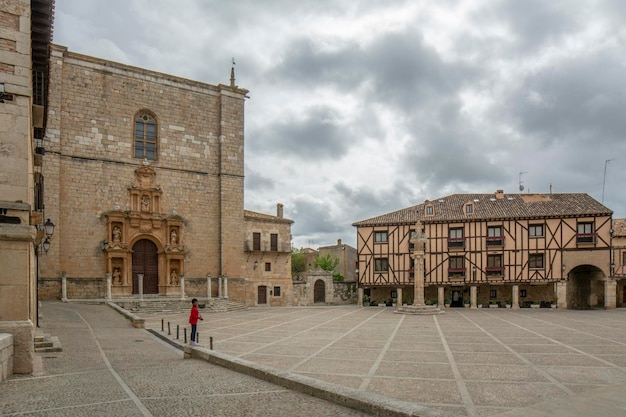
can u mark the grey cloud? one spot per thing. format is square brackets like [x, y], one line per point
[404, 71]
[311, 216]
[578, 101]
[318, 137]
[257, 182]
[536, 22]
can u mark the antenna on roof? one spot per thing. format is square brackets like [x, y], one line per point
[521, 183]
[604, 178]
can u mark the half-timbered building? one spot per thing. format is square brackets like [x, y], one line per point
[618, 261]
[496, 249]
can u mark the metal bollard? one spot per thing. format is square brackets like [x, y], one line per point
[211, 342]
[169, 329]
[177, 332]
[162, 322]
[198, 337]
[185, 334]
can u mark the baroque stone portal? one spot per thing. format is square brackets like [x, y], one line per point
[143, 220]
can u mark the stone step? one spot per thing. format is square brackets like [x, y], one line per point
[422, 310]
[49, 344]
[178, 306]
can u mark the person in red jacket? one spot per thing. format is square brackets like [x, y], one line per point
[193, 320]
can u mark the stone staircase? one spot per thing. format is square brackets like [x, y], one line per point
[161, 305]
[46, 343]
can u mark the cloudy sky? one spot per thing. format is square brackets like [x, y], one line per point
[359, 108]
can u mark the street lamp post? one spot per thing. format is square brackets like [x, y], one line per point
[48, 231]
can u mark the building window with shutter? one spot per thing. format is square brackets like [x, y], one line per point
[256, 241]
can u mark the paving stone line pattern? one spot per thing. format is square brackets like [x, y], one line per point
[467, 362]
[109, 368]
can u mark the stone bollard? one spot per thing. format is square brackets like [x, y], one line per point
[208, 286]
[140, 279]
[108, 294]
[64, 287]
[182, 287]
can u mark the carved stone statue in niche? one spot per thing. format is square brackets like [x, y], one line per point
[117, 234]
[174, 277]
[145, 203]
[173, 237]
[117, 276]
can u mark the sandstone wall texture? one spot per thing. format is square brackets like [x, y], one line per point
[96, 182]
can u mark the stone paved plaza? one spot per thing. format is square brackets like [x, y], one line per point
[486, 362]
[465, 362]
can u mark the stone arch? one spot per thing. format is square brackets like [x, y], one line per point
[585, 288]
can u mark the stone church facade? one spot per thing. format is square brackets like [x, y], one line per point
[144, 178]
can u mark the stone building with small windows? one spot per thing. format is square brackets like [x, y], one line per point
[144, 178]
[498, 249]
[25, 32]
[346, 255]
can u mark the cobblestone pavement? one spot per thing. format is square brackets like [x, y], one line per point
[109, 368]
[485, 362]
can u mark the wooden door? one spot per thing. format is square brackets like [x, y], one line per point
[319, 292]
[146, 262]
[262, 295]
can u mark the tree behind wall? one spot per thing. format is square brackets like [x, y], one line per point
[298, 262]
[327, 262]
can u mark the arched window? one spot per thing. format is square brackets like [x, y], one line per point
[145, 136]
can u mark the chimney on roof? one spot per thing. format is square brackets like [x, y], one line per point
[499, 194]
[279, 210]
[338, 242]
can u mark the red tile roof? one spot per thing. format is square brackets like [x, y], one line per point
[619, 227]
[494, 206]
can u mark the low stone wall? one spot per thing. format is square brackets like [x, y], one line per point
[49, 289]
[344, 292]
[23, 333]
[77, 288]
[335, 292]
[6, 356]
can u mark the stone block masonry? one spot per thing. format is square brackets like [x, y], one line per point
[96, 173]
[6, 356]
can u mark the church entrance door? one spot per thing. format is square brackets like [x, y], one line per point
[146, 262]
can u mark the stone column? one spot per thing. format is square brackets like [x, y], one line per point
[64, 287]
[182, 287]
[610, 293]
[441, 294]
[225, 286]
[108, 291]
[208, 286]
[359, 297]
[219, 286]
[561, 294]
[140, 285]
[473, 296]
[515, 296]
[418, 239]
[399, 297]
